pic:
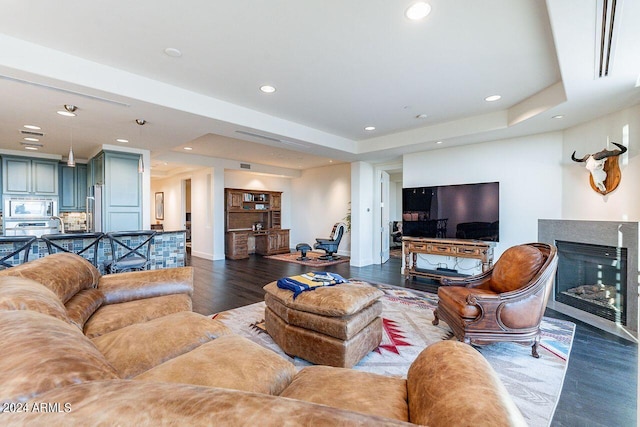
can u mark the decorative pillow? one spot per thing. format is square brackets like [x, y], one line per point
[18, 293]
[515, 268]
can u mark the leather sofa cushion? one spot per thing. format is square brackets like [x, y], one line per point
[338, 327]
[112, 317]
[40, 352]
[83, 304]
[72, 274]
[142, 346]
[357, 391]
[515, 268]
[450, 380]
[138, 403]
[17, 293]
[231, 362]
[135, 285]
[340, 300]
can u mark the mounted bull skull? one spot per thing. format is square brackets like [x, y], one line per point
[604, 168]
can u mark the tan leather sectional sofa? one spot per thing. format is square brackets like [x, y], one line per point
[77, 348]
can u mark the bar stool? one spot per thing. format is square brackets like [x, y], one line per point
[65, 243]
[19, 244]
[130, 251]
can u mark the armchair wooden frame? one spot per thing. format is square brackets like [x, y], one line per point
[488, 326]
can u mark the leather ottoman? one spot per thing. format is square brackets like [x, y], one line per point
[331, 325]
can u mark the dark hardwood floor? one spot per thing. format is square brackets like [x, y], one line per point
[600, 387]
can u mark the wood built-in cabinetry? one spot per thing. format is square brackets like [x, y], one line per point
[253, 223]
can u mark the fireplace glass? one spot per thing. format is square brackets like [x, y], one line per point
[593, 278]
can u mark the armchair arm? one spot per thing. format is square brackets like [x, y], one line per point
[450, 378]
[325, 241]
[469, 282]
[135, 285]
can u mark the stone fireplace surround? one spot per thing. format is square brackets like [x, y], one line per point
[608, 233]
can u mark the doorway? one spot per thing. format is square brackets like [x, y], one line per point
[186, 210]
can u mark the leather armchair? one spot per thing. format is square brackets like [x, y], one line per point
[505, 303]
[330, 245]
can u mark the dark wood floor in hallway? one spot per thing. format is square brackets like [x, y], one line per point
[600, 387]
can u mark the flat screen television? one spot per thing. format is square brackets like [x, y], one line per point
[467, 211]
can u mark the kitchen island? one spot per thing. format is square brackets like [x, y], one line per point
[168, 249]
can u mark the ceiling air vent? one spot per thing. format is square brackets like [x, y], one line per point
[245, 166]
[31, 133]
[607, 29]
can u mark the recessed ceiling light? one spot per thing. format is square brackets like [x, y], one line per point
[421, 116]
[559, 116]
[418, 11]
[66, 113]
[31, 147]
[32, 139]
[370, 128]
[492, 98]
[438, 142]
[267, 89]
[188, 148]
[173, 52]
[33, 127]
[122, 140]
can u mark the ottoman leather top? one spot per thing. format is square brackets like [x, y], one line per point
[335, 301]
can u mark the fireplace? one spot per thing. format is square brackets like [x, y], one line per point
[593, 278]
[597, 277]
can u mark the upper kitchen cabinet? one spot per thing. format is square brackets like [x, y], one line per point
[73, 187]
[22, 175]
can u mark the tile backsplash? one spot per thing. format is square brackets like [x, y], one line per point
[74, 221]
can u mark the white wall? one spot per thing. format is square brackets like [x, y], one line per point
[321, 198]
[362, 228]
[527, 169]
[579, 201]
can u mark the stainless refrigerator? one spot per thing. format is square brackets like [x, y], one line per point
[94, 209]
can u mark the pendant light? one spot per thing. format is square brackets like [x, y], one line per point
[141, 122]
[71, 160]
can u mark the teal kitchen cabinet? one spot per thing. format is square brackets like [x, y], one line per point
[22, 175]
[121, 185]
[73, 187]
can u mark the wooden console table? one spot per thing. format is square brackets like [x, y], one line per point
[475, 249]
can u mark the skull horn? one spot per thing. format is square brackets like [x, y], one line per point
[610, 153]
[584, 159]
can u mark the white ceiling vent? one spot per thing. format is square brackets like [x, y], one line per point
[607, 28]
[30, 133]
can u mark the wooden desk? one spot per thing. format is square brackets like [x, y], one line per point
[475, 249]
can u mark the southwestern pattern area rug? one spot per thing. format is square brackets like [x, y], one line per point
[534, 384]
[313, 260]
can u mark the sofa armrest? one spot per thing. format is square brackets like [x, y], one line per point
[135, 285]
[450, 378]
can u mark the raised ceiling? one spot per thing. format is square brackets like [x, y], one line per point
[337, 67]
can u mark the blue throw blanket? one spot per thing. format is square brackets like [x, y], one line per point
[309, 281]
